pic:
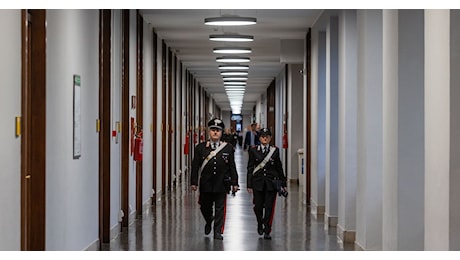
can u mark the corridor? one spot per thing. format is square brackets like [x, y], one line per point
[175, 223]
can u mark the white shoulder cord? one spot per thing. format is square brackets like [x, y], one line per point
[210, 156]
[266, 159]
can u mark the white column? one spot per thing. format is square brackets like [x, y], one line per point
[454, 191]
[442, 144]
[295, 121]
[314, 121]
[318, 117]
[369, 186]
[437, 130]
[331, 210]
[403, 145]
[390, 130]
[348, 100]
[303, 180]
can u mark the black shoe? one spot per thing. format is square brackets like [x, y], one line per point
[218, 236]
[260, 229]
[267, 236]
[207, 228]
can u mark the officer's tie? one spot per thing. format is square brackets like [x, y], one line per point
[214, 146]
[264, 150]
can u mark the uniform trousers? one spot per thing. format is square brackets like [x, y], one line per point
[264, 208]
[214, 202]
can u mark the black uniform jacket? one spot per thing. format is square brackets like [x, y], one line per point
[264, 176]
[219, 167]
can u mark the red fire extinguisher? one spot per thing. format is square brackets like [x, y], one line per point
[285, 141]
[186, 143]
[285, 137]
[195, 137]
[138, 147]
[202, 136]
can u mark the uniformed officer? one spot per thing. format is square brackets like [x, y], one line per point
[264, 167]
[214, 171]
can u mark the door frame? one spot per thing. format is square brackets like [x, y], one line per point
[105, 65]
[33, 153]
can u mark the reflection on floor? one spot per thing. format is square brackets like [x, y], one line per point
[175, 223]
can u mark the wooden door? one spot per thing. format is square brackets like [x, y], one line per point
[33, 142]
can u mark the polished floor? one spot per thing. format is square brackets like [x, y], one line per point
[175, 223]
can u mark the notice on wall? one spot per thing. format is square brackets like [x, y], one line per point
[76, 117]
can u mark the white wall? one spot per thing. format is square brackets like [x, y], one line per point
[71, 185]
[10, 149]
[184, 119]
[318, 118]
[115, 145]
[147, 127]
[280, 111]
[261, 105]
[295, 121]
[158, 110]
[132, 112]
[226, 115]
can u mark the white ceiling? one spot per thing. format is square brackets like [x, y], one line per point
[186, 34]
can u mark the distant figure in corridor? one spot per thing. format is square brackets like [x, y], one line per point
[230, 136]
[214, 171]
[251, 138]
[265, 177]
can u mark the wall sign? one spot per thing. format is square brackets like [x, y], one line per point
[76, 117]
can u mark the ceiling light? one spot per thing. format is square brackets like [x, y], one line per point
[235, 102]
[232, 50]
[230, 21]
[234, 73]
[233, 67]
[231, 38]
[233, 59]
[235, 91]
[234, 87]
[236, 111]
[234, 83]
[235, 78]
[227, 87]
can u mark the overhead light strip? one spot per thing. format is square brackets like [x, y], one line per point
[230, 59]
[231, 38]
[232, 50]
[235, 83]
[234, 73]
[230, 21]
[227, 78]
[233, 67]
